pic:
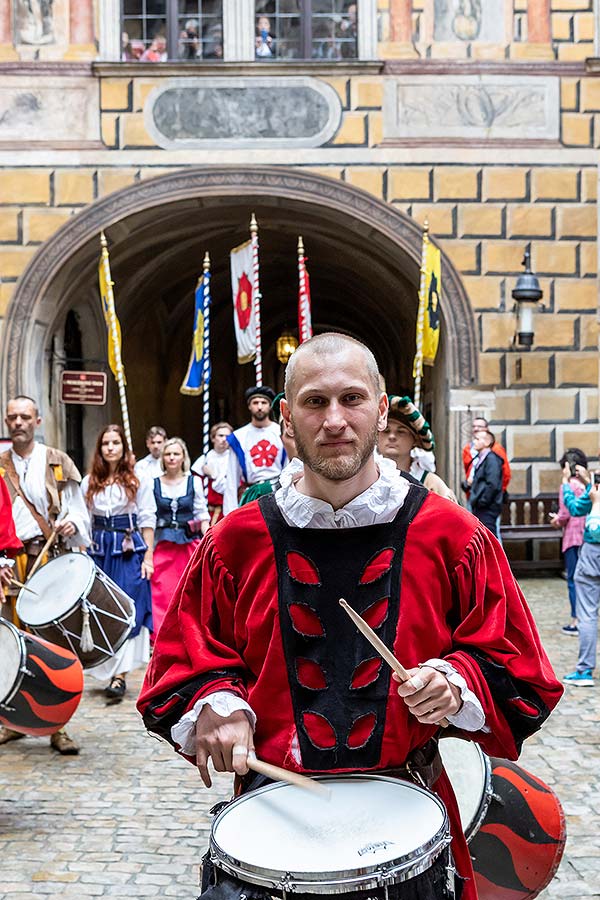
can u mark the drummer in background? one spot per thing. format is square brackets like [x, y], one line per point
[254, 637]
[181, 519]
[214, 467]
[43, 484]
[149, 466]
[123, 513]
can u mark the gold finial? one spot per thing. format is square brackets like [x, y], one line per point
[103, 243]
[426, 226]
[300, 246]
[253, 225]
[206, 263]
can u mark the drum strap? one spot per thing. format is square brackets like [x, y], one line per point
[14, 483]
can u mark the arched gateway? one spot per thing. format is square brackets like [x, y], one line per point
[364, 259]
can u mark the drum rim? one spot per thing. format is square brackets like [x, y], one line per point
[20, 637]
[486, 799]
[340, 881]
[66, 612]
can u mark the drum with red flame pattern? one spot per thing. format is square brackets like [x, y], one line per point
[40, 683]
[519, 845]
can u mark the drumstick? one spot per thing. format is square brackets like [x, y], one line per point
[42, 553]
[381, 648]
[23, 586]
[279, 774]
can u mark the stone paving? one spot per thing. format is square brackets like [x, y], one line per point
[127, 818]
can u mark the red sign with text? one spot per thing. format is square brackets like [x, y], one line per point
[83, 387]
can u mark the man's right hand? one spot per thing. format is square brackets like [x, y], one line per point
[227, 741]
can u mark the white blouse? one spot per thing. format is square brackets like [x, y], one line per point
[113, 501]
[174, 491]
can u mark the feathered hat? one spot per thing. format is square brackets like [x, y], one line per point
[405, 411]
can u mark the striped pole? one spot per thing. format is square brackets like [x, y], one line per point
[112, 319]
[304, 325]
[418, 367]
[206, 373]
[256, 299]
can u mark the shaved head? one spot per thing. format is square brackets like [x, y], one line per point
[329, 344]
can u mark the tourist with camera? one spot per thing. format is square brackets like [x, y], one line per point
[587, 571]
[572, 528]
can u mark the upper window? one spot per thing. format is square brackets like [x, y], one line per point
[161, 30]
[306, 29]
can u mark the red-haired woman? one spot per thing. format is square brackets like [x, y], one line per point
[123, 515]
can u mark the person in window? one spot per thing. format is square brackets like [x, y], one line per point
[157, 51]
[189, 41]
[212, 41]
[348, 34]
[264, 40]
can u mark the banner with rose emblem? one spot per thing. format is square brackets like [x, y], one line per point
[244, 320]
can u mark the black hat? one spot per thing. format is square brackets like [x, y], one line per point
[262, 390]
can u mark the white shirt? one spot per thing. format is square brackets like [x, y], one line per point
[218, 464]
[263, 450]
[32, 477]
[378, 504]
[148, 467]
[173, 491]
[113, 501]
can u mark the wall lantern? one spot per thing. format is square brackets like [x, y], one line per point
[526, 293]
[286, 344]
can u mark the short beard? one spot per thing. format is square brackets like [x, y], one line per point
[260, 416]
[337, 468]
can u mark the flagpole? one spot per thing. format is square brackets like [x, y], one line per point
[206, 364]
[421, 318]
[302, 336]
[256, 299]
[112, 319]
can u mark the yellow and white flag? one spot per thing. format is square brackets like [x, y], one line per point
[428, 317]
[114, 334]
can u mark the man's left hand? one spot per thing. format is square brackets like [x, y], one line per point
[429, 695]
[6, 576]
[67, 529]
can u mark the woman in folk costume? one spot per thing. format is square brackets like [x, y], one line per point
[182, 518]
[123, 513]
[408, 441]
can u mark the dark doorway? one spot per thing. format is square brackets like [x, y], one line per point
[74, 412]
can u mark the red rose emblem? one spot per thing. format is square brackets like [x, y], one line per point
[263, 454]
[243, 302]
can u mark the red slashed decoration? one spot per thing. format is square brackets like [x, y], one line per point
[310, 674]
[305, 620]
[524, 707]
[366, 672]
[302, 569]
[319, 730]
[361, 730]
[376, 614]
[378, 566]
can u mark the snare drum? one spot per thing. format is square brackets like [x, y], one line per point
[375, 834]
[513, 821]
[40, 684]
[76, 603]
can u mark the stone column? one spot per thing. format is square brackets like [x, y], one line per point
[401, 21]
[367, 29]
[7, 50]
[238, 30]
[538, 22]
[82, 44]
[110, 30]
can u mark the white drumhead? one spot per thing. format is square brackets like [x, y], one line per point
[58, 586]
[466, 766]
[10, 658]
[367, 821]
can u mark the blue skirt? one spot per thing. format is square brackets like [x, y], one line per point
[125, 569]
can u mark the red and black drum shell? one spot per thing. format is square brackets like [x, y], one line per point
[49, 691]
[518, 848]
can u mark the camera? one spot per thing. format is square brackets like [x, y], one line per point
[596, 477]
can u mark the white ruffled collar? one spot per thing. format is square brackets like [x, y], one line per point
[377, 505]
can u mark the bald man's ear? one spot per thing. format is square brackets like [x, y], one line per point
[383, 412]
[284, 408]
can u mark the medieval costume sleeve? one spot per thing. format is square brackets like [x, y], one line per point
[10, 544]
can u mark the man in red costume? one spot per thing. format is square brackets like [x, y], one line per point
[256, 653]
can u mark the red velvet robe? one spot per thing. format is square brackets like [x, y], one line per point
[459, 601]
[9, 541]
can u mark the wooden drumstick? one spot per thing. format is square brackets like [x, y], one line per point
[381, 648]
[20, 584]
[42, 553]
[279, 774]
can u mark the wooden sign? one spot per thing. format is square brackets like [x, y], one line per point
[83, 387]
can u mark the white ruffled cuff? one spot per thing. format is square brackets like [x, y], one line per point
[470, 716]
[222, 702]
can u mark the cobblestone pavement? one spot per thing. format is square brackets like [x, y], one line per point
[127, 818]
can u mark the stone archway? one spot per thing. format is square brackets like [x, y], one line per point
[362, 247]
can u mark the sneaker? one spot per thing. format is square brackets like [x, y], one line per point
[581, 679]
[570, 629]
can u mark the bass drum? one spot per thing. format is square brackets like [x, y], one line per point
[514, 822]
